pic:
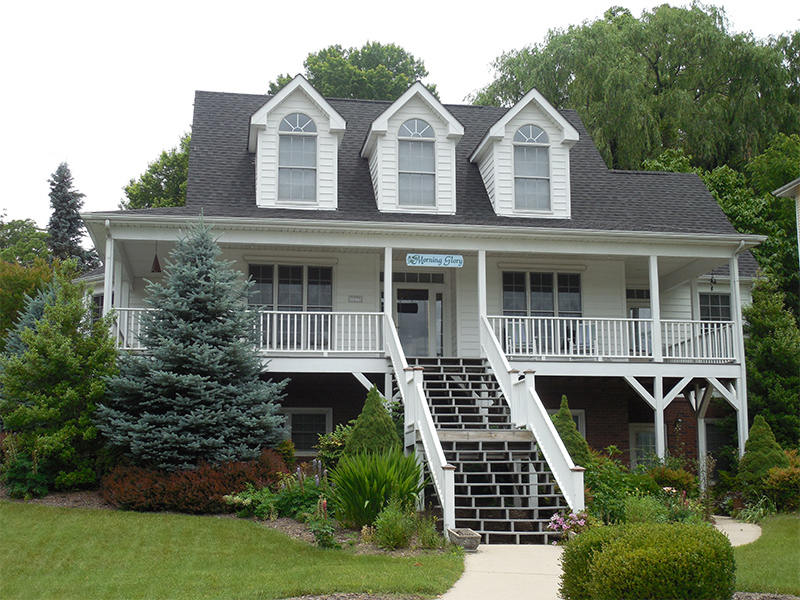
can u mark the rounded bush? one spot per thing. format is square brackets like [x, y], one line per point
[649, 561]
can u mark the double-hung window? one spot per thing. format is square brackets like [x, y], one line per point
[544, 295]
[416, 184]
[715, 307]
[297, 159]
[531, 169]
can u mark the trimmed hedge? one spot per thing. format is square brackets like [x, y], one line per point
[648, 561]
[196, 491]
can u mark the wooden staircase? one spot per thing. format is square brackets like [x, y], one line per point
[504, 489]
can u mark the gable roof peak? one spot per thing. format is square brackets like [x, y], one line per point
[535, 98]
[297, 85]
[380, 126]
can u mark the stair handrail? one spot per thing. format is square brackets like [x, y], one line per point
[528, 411]
[419, 421]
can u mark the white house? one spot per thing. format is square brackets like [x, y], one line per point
[518, 268]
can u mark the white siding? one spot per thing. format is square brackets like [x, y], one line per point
[267, 157]
[466, 308]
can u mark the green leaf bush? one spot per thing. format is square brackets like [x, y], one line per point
[648, 561]
[395, 526]
[363, 484]
[782, 485]
[331, 445]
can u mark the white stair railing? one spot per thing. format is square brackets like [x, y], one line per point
[418, 421]
[528, 411]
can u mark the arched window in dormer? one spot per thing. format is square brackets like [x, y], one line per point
[531, 169]
[297, 158]
[416, 164]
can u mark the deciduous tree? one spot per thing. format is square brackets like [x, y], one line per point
[164, 182]
[374, 72]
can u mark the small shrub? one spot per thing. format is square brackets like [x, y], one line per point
[608, 483]
[782, 485]
[331, 445]
[761, 453]
[363, 484]
[286, 450]
[374, 430]
[298, 494]
[575, 443]
[195, 491]
[677, 479]
[645, 509]
[395, 526]
[649, 561]
[428, 537]
[324, 531]
[253, 502]
[24, 479]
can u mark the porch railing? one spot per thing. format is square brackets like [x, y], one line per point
[338, 332]
[418, 421]
[278, 331]
[528, 411]
[573, 337]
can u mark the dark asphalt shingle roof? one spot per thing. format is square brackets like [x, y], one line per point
[222, 177]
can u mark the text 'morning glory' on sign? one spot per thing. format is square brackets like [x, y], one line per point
[435, 260]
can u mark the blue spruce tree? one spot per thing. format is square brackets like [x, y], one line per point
[196, 394]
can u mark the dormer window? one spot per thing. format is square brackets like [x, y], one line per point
[416, 164]
[531, 169]
[297, 159]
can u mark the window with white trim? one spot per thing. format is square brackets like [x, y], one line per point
[416, 184]
[298, 287]
[305, 425]
[542, 294]
[715, 307]
[642, 443]
[531, 169]
[297, 159]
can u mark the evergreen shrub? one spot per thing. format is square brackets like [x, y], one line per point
[649, 561]
[575, 443]
[782, 485]
[194, 491]
[761, 453]
[363, 484]
[374, 430]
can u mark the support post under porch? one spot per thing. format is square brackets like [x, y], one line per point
[108, 277]
[659, 401]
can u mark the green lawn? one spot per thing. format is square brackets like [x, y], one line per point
[771, 564]
[57, 553]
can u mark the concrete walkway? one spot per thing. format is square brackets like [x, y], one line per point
[517, 572]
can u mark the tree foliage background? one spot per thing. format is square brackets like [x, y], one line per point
[675, 78]
[164, 182]
[373, 72]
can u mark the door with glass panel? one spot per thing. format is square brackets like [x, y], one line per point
[419, 318]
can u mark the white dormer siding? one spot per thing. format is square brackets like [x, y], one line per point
[382, 149]
[495, 159]
[297, 97]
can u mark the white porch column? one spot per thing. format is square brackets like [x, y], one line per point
[482, 283]
[695, 299]
[658, 397]
[655, 312]
[741, 387]
[108, 279]
[388, 301]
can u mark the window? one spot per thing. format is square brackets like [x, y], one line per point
[416, 164]
[545, 295]
[643, 443]
[294, 290]
[715, 307]
[297, 159]
[578, 415]
[305, 425]
[531, 169]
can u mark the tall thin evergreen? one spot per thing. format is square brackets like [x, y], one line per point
[65, 229]
[196, 394]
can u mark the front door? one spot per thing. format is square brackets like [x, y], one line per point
[419, 320]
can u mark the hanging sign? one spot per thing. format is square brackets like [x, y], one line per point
[435, 260]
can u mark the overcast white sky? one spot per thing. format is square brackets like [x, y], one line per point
[106, 86]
